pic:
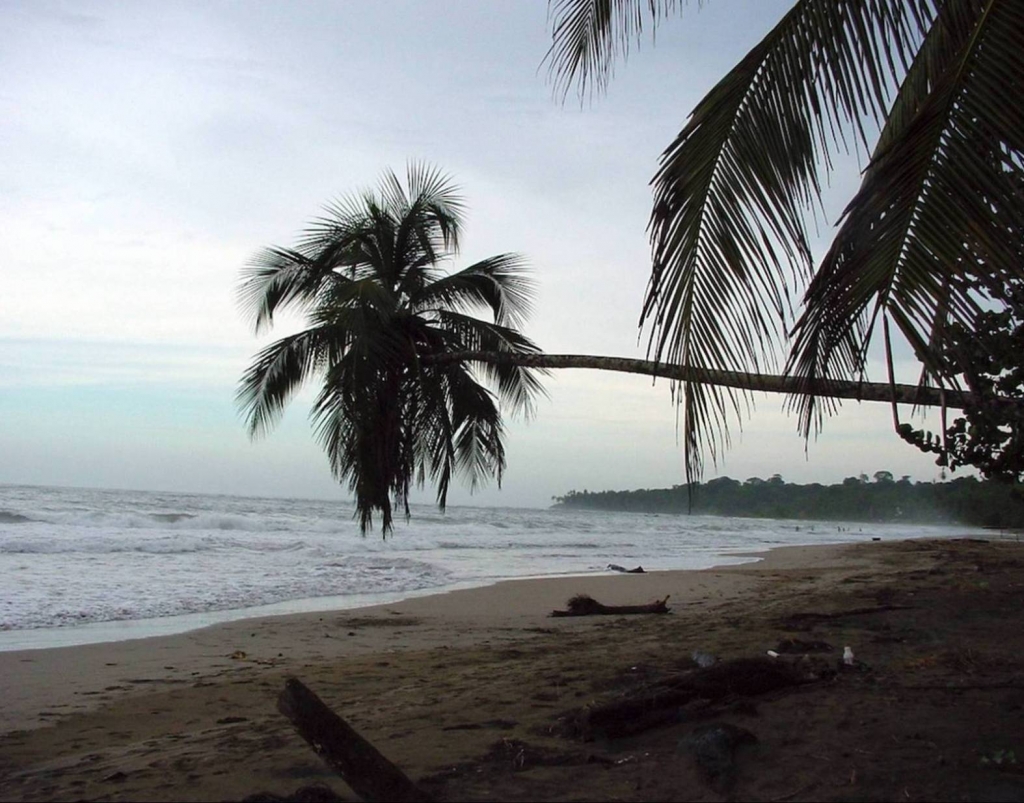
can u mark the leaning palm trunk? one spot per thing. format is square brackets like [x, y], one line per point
[767, 383]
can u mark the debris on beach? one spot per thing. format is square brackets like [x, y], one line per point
[713, 747]
[703, 659]
[849, 663]
[314, 793]
[699, 692]
[367, 772]
[792, 646]
[585, 605]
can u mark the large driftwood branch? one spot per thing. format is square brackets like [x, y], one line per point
[369, 774]
[767, 383]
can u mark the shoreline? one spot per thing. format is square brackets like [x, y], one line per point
[446, 685]
[118, 630]
[71, 574]
[451, 618]
[491, 614]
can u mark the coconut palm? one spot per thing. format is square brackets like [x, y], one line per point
[390, 339]
[928, 89]
[367, 276]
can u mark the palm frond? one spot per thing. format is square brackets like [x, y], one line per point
[479, 450]
[357, 455]
[341, 238]
[518, 386]
[278, 278]
[500, 284]
[728, 227]
[434, 196]
[359, 417]
[365, 297]
[280, 369]
[589, 36]
[938, 220]
[433, 448]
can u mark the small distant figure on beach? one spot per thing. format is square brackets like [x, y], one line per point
[616, 568]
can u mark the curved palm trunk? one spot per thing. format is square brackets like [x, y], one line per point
[767, 383]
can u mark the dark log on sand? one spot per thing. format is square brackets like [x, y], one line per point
[582, 605]
[369, 774]
[660, 703]
[617, 568]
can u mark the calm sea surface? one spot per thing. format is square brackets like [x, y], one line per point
[84, 565]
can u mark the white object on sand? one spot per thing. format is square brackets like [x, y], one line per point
[703, 659]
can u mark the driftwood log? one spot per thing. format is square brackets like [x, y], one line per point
[661, 703]
[583, 605]
[369, 774]
[616, 568]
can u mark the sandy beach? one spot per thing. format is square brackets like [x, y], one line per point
[474, 693]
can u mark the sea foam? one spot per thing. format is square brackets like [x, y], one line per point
[71, 557]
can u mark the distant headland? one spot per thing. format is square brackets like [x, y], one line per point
[965, 500]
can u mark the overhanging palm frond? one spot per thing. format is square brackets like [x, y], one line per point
[589, 36]
[732, 192]
[938, 221]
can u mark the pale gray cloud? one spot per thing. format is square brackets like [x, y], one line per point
[150, 148]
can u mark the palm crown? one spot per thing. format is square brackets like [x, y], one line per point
[378, 306]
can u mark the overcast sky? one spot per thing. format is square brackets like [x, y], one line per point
[150, 148]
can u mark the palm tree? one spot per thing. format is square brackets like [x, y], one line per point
[391, 340]
[367, 277]
[927, 88]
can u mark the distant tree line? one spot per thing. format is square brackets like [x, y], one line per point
[965, 500]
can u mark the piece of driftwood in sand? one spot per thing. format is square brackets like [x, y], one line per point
[368, 773]
[583, 605]
[661, 703]
[617, 568]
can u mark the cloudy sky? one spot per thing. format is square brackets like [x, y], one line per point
[150, 148]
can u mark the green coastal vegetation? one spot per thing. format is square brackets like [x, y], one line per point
[965, 500]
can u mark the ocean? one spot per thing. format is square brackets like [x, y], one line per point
[86, 565]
